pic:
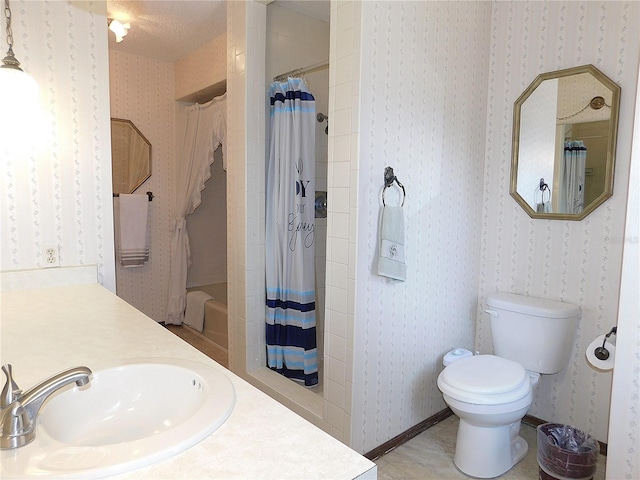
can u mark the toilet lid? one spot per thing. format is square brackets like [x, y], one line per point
[485, 379]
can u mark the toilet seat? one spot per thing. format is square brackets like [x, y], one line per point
[486, 380]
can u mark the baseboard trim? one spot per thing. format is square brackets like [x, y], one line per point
[407, 435]
[535, 421]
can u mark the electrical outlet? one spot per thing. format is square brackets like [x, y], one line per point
[50, 256]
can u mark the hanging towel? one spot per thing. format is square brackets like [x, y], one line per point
[133, 248]
[543, 207]
[391, 263]
[194, 313]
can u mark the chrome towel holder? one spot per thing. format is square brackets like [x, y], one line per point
[389, 178]
[149, 194]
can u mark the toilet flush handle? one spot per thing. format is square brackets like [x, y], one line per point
[493, 313]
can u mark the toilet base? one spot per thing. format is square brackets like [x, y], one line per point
[486, 452]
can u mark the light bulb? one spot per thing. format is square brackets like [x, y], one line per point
[119, 29]
[19, 97]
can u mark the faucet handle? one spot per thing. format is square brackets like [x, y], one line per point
[17, 427]
[10, 391]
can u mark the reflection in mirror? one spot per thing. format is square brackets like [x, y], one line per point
[564, 140]
[131, 156]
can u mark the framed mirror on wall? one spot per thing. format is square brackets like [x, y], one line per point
[131, 156]
[564, 141]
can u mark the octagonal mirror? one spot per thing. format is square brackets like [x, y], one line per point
[130, 156]
[564, 141]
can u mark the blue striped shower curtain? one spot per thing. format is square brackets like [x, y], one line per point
[572, 177]
[290, 241]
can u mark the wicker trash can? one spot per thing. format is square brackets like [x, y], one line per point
[565, 452]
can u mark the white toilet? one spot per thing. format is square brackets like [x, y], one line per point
[491, 393]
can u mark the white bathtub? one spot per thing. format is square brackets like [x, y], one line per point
[215, 314]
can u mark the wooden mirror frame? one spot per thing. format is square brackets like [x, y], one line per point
[146, 146]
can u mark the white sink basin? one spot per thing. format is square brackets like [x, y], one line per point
[127, 417]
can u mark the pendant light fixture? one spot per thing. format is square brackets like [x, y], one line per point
[11, 65]
[18, 90]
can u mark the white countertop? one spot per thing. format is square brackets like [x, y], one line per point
[47, 330]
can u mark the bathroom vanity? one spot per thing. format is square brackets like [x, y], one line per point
[48, 329]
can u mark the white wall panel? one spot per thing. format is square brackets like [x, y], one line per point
[623, 459]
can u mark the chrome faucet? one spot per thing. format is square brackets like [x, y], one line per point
[19, 411]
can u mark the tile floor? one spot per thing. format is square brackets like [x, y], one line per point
[197, 341]
[429, 456]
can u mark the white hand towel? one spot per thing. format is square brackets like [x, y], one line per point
[194, 313]
[133, 248]
[392, 262]
[543, 207]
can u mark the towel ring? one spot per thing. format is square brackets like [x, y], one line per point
[389, 178]
[543, 187]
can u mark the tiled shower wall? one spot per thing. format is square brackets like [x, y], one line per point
[398, 351]
[243, 188]
[578, 262]
[296, 41]
[246, 34]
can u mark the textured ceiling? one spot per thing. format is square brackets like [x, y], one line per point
[318, 9]
[169, 29]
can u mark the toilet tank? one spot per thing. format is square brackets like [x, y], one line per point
[535, 332]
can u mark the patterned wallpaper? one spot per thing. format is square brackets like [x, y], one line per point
[60, 193]
[422, 111]
[578, 262]
[64, 195]
[142, 90]
[466, 237]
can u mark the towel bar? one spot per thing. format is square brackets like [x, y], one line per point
[149, 194]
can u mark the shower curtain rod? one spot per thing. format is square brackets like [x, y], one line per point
[301, 71]
[587, 137]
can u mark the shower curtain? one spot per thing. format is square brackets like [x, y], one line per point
[290, 224]
[205, 130]
[571, 181]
